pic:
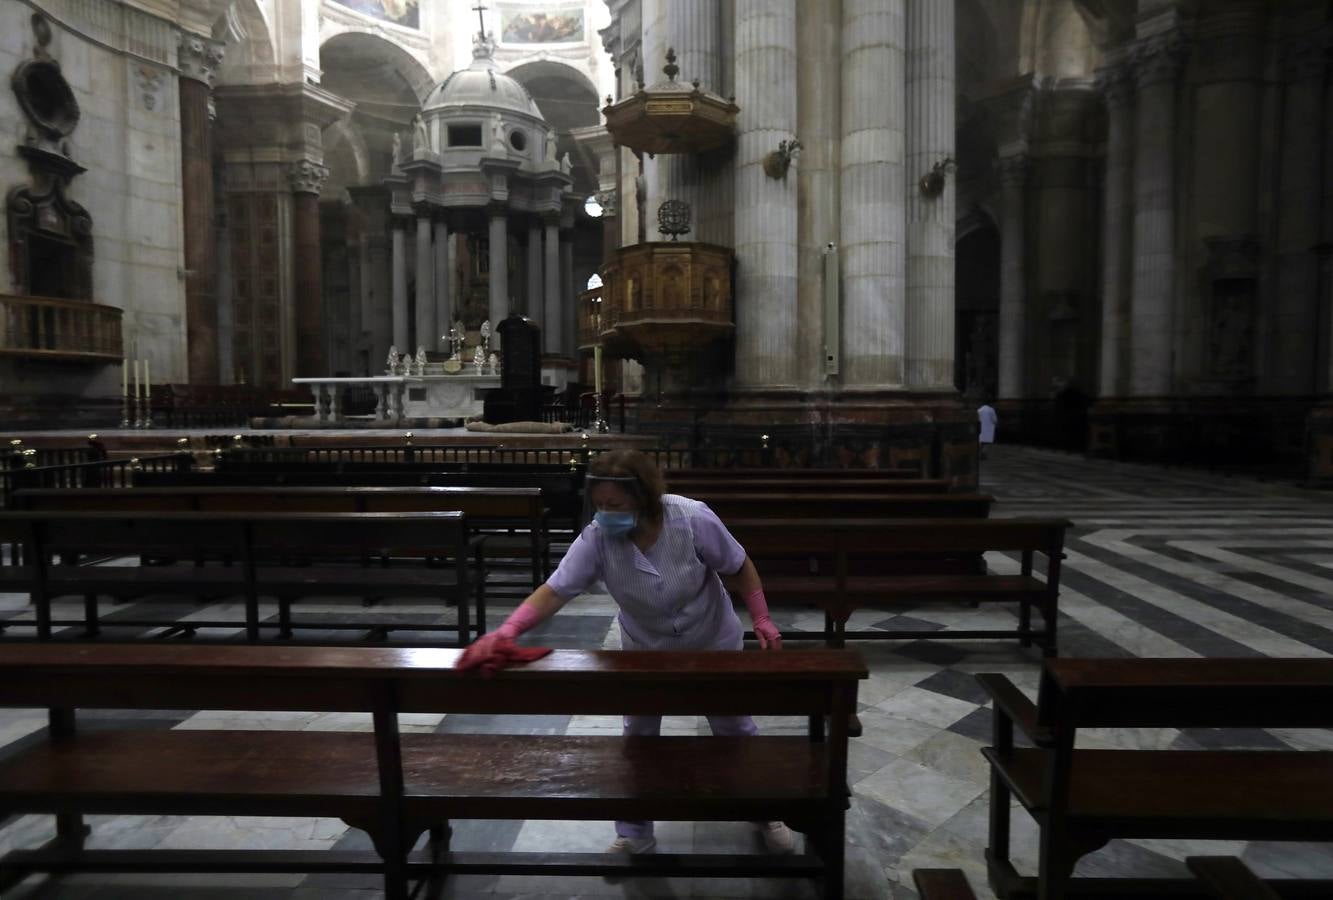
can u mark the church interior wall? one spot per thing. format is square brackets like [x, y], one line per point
[127, 138]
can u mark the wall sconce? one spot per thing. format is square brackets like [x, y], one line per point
[779, 161]
[932, 183]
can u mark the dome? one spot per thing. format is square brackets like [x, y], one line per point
[482, 84]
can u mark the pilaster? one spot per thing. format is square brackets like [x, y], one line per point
[765, 229]
[872, 184]
[929, 295]
[1157, 62]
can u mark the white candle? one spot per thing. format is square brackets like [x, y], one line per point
[146, 379]
[124, 377]
[597, 368]
[136, 378]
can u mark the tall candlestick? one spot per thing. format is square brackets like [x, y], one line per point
[597, 368]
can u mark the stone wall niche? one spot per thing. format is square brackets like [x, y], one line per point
[47, 312]
[1230, 293]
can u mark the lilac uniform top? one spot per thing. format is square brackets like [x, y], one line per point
[671, 597]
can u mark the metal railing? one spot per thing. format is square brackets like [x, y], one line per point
[427, 454]
[102, 473]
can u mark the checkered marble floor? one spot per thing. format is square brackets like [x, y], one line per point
[1161, 563]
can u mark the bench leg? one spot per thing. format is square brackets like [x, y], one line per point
[1050, 613]
[440, 836]
[42, 601]
[251, 616]
[91, 627]
[285, 618]
[71, 830]
[832, 850]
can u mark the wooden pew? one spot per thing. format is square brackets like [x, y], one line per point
[397, 786]
[725, 476]
[786, 505]
[796, 484]
[286, 555]
[1083, 798]
[561, 487]
[487, 509]
[850, 564]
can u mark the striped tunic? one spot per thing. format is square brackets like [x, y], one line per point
[670, 597]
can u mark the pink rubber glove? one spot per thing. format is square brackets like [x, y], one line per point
[764, 629]
[487, 651]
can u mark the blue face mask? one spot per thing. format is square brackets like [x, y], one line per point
[615, 524]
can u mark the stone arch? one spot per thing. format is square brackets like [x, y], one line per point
[373, 49]
[250, 55]
[347, 155]
[565, 94]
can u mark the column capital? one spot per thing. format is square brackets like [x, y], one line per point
[1013, 170]
[1161, 58]
[306, 177]
[1116, 84]
[198, 58]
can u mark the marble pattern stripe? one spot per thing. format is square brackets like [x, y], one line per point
[1163, 562]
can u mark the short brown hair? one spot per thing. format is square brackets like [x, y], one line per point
[636, 473]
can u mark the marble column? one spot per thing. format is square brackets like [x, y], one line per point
[569, 309]
[692, 29]
[1013, 176]
[306, 179]
[553, 337]
[1292, 348]
[376, 280]
[817, 79]
[1158, 61]
[1117, 86]
[499, 265]
[872, 182]
[765, 208]
[535, 283]
[400, 324]
[929, 296]
[198, 59]
[444, 285]
[424, 331]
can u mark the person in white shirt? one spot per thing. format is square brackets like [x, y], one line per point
[987, 419]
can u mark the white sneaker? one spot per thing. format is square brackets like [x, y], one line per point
[634, 846]
[778, 838]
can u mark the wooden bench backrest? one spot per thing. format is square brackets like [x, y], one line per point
[737, 474]
[504, 503]
[410, 534]
[352, 679]
[1186, 693]
[184, 533]
[796, 484]
[869, 536]
[846, 506]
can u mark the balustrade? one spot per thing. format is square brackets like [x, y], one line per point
[52, 328]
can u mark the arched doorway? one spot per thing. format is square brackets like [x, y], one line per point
[976, 310]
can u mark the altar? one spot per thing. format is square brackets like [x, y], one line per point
[402, 397]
